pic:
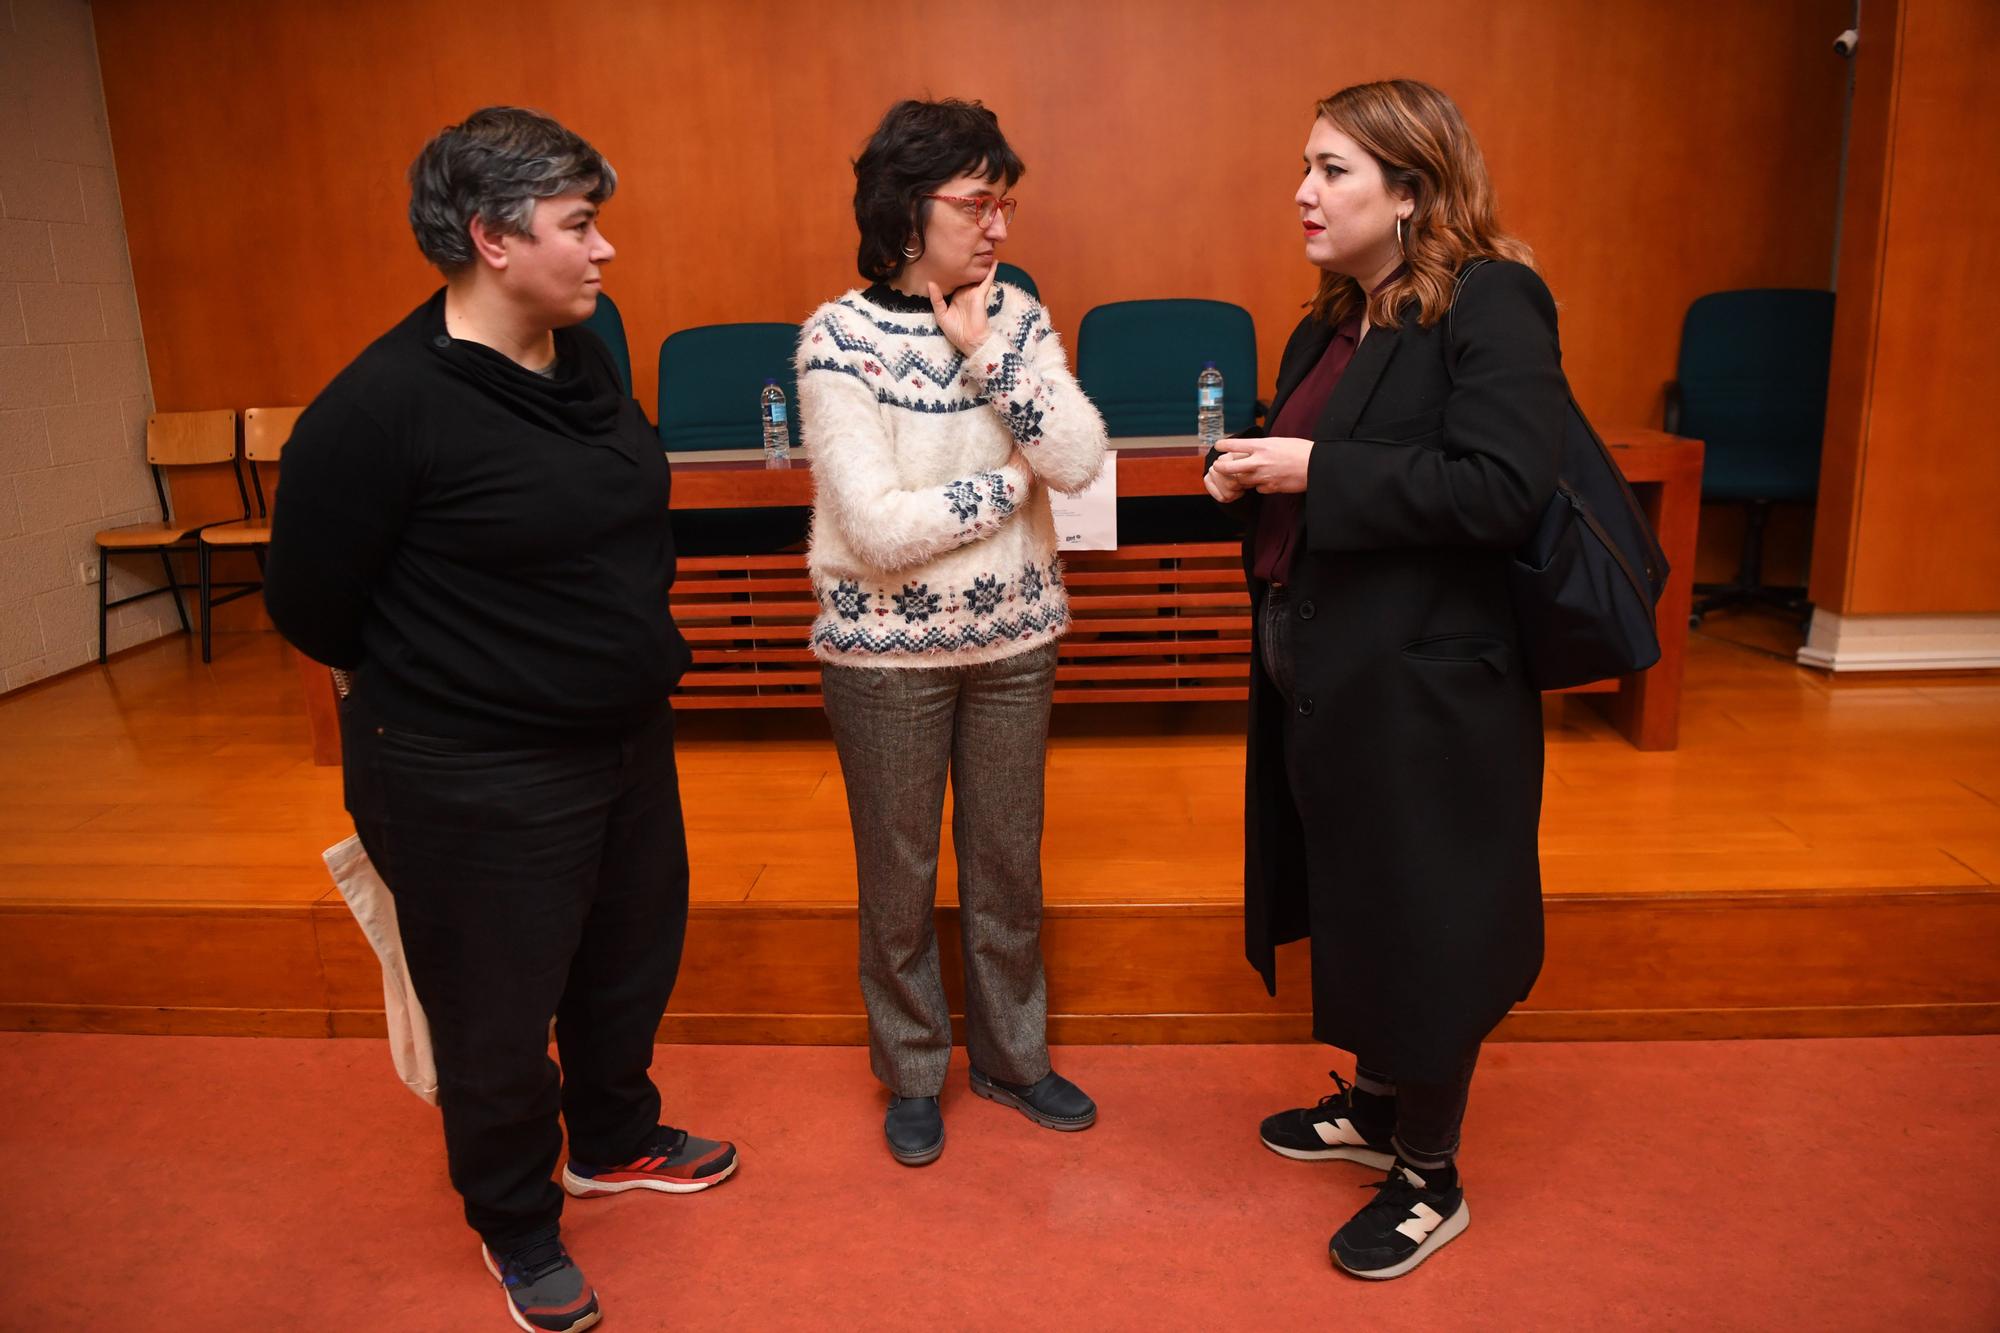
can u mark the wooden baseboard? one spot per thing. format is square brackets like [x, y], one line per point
[1872, 1020]
[1908, 1020]
[172, 1021]
[1663, 965]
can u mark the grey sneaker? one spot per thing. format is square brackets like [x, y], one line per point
[546, 1292]
[674, 1162]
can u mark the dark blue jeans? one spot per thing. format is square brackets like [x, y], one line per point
[530, 884]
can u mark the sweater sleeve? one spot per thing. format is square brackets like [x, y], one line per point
[1021, 370]
[346, 492]
[1488, 484]
[854, 471]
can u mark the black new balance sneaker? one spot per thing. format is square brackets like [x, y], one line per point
[1414, 1215]
[1348, 1125]
[546, 1292]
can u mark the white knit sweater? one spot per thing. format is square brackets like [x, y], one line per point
[929, 547]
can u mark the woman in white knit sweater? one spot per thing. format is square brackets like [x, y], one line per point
[939, 413]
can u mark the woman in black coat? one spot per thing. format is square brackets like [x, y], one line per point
[1395, 750]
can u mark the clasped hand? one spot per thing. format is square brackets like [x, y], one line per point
[1274, 466]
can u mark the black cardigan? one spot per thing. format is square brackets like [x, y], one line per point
[486, 549]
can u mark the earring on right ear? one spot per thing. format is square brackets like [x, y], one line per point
[912, 252]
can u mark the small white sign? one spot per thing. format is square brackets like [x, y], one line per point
[1088, 520]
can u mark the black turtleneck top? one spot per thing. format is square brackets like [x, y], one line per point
[484, 548]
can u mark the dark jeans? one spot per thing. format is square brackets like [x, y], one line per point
[1428, 1115]
[530, 884]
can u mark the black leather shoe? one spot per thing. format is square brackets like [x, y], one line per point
[915, 1130]
[1053, 1103]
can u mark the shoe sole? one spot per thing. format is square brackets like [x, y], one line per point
[1005, 1098]
[921, 1157]
[486, 1257]
[1380, 1161]
[577, 1187]
[1447, 1231]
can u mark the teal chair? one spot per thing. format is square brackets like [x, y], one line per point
[1019, 278]
[711, 397]
[712, 384]
[1138, 361]
[607, 324]
[1751, 383]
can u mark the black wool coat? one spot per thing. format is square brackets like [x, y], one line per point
[1391, 814]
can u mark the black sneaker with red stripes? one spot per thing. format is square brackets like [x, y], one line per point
[675, 1162]
[1347, 1125]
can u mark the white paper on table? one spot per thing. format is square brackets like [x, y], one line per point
[1088, 520]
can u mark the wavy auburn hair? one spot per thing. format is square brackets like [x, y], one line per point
[1417, 136]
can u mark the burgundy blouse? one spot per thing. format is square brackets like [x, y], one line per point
[1278, 515]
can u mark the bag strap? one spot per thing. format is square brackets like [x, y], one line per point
[1450, 336]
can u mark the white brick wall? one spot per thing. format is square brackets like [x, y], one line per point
[74, 390]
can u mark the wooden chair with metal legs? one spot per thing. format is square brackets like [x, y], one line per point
[265, 430]
[184, 445]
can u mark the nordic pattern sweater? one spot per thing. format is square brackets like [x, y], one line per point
[930, 547]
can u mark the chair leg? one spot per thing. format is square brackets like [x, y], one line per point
[1748, 588]
[103, 596]
[207, 607]
[173, 585]
[1751, 575]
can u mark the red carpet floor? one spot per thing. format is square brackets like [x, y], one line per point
[179, 1183]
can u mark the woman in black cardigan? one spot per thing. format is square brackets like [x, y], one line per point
[474, 525]
[1395, 751]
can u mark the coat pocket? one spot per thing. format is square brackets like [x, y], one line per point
[1404, 428]
[1462, 650]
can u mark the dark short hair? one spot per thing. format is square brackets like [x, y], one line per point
[918, 147]
[494, 166]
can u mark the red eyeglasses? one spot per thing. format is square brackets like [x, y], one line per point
[978, 207]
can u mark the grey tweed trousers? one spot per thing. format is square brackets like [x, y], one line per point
[899, 732]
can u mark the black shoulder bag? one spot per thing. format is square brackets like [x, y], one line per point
[1586, 583]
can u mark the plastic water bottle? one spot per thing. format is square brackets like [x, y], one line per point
[777, 435]
[1208, 406]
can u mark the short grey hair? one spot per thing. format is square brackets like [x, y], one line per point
[494, 166]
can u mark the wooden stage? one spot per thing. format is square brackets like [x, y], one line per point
[1820, 856]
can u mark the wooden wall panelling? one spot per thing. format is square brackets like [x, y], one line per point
[1925, 540]
[1863, 225]
[1649, 152]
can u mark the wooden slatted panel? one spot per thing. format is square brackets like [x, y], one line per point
[1156, 622]
[1149, 624]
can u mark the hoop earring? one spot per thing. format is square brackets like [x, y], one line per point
[1400, 245]
[913, 252]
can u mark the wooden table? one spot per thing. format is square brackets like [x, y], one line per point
[1148, 623]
